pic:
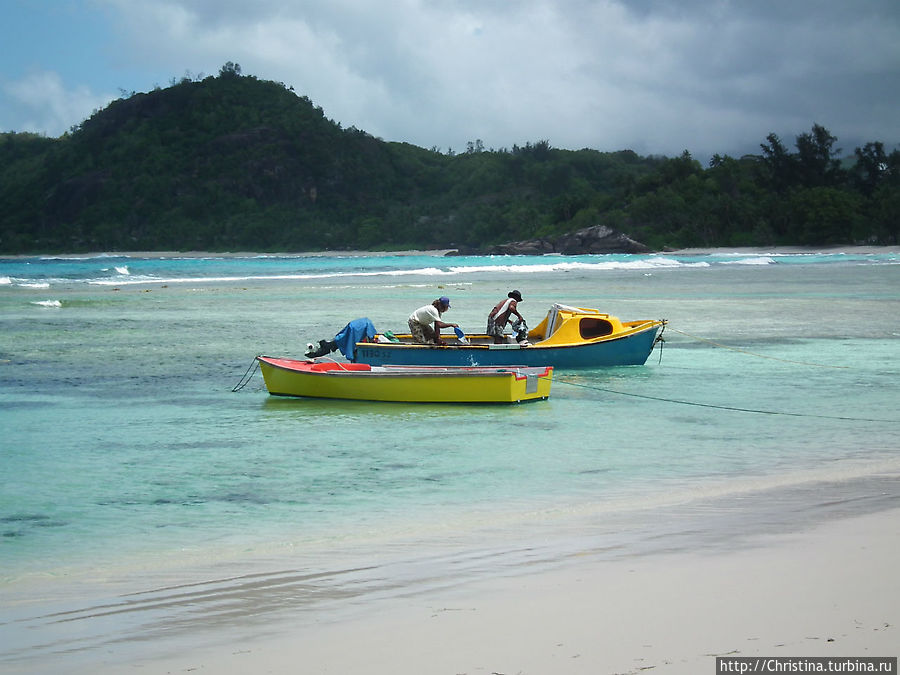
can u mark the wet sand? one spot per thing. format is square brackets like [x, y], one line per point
[829, 591]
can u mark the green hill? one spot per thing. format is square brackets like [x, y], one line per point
[236, 163]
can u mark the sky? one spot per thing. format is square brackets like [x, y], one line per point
[653, 76]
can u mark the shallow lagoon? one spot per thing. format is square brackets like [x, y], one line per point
[132, 466]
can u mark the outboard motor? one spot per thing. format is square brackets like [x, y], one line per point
[520, 330]
[325, 347]
[358, 330]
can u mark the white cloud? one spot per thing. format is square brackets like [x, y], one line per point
[44, 105]
[609, 74]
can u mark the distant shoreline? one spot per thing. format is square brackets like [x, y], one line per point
[230, 254]
[784, 250]
[442, 252]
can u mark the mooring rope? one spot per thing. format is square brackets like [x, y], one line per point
[724, 407]
[762, 356]
[660, 340]
[251, 371]
[245, 380]
[342, 366]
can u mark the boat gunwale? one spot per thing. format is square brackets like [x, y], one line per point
[415, 371]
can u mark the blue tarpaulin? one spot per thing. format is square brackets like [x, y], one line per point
[354, 332]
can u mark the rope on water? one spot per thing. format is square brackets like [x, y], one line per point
[245, 380]
[762, 356]
[724, 407]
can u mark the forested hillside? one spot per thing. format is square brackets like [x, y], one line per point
[235, 163]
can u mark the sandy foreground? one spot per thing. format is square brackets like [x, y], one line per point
[829, 591]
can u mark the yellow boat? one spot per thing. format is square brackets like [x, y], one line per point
[413, 384]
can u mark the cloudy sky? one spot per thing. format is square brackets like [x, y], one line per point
[654, 76]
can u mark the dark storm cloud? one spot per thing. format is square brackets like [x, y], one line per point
[653, 76]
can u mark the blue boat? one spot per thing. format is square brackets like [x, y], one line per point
[568, 337]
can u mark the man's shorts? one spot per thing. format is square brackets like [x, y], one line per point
[420, 332]
[494, 330]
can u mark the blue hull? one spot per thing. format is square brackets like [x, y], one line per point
[630, 350]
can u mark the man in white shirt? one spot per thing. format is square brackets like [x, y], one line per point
[421, 322]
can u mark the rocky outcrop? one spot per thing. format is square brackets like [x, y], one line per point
[529, 247]
[596, 239]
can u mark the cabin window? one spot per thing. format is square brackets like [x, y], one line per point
[594, 328]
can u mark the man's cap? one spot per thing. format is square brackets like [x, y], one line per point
[516, 295]
[445, 301]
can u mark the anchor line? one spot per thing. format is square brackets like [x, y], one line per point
[245, 380]
[661, 340]
[762, 356]
[726, 407]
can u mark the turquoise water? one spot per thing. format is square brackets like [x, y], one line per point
[129, 461]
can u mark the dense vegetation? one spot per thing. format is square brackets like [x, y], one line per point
[235, 163]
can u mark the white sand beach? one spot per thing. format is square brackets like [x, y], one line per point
[829, 591]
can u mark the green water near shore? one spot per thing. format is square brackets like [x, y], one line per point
[127, 457]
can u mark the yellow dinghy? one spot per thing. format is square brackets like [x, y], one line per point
[411, 384]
